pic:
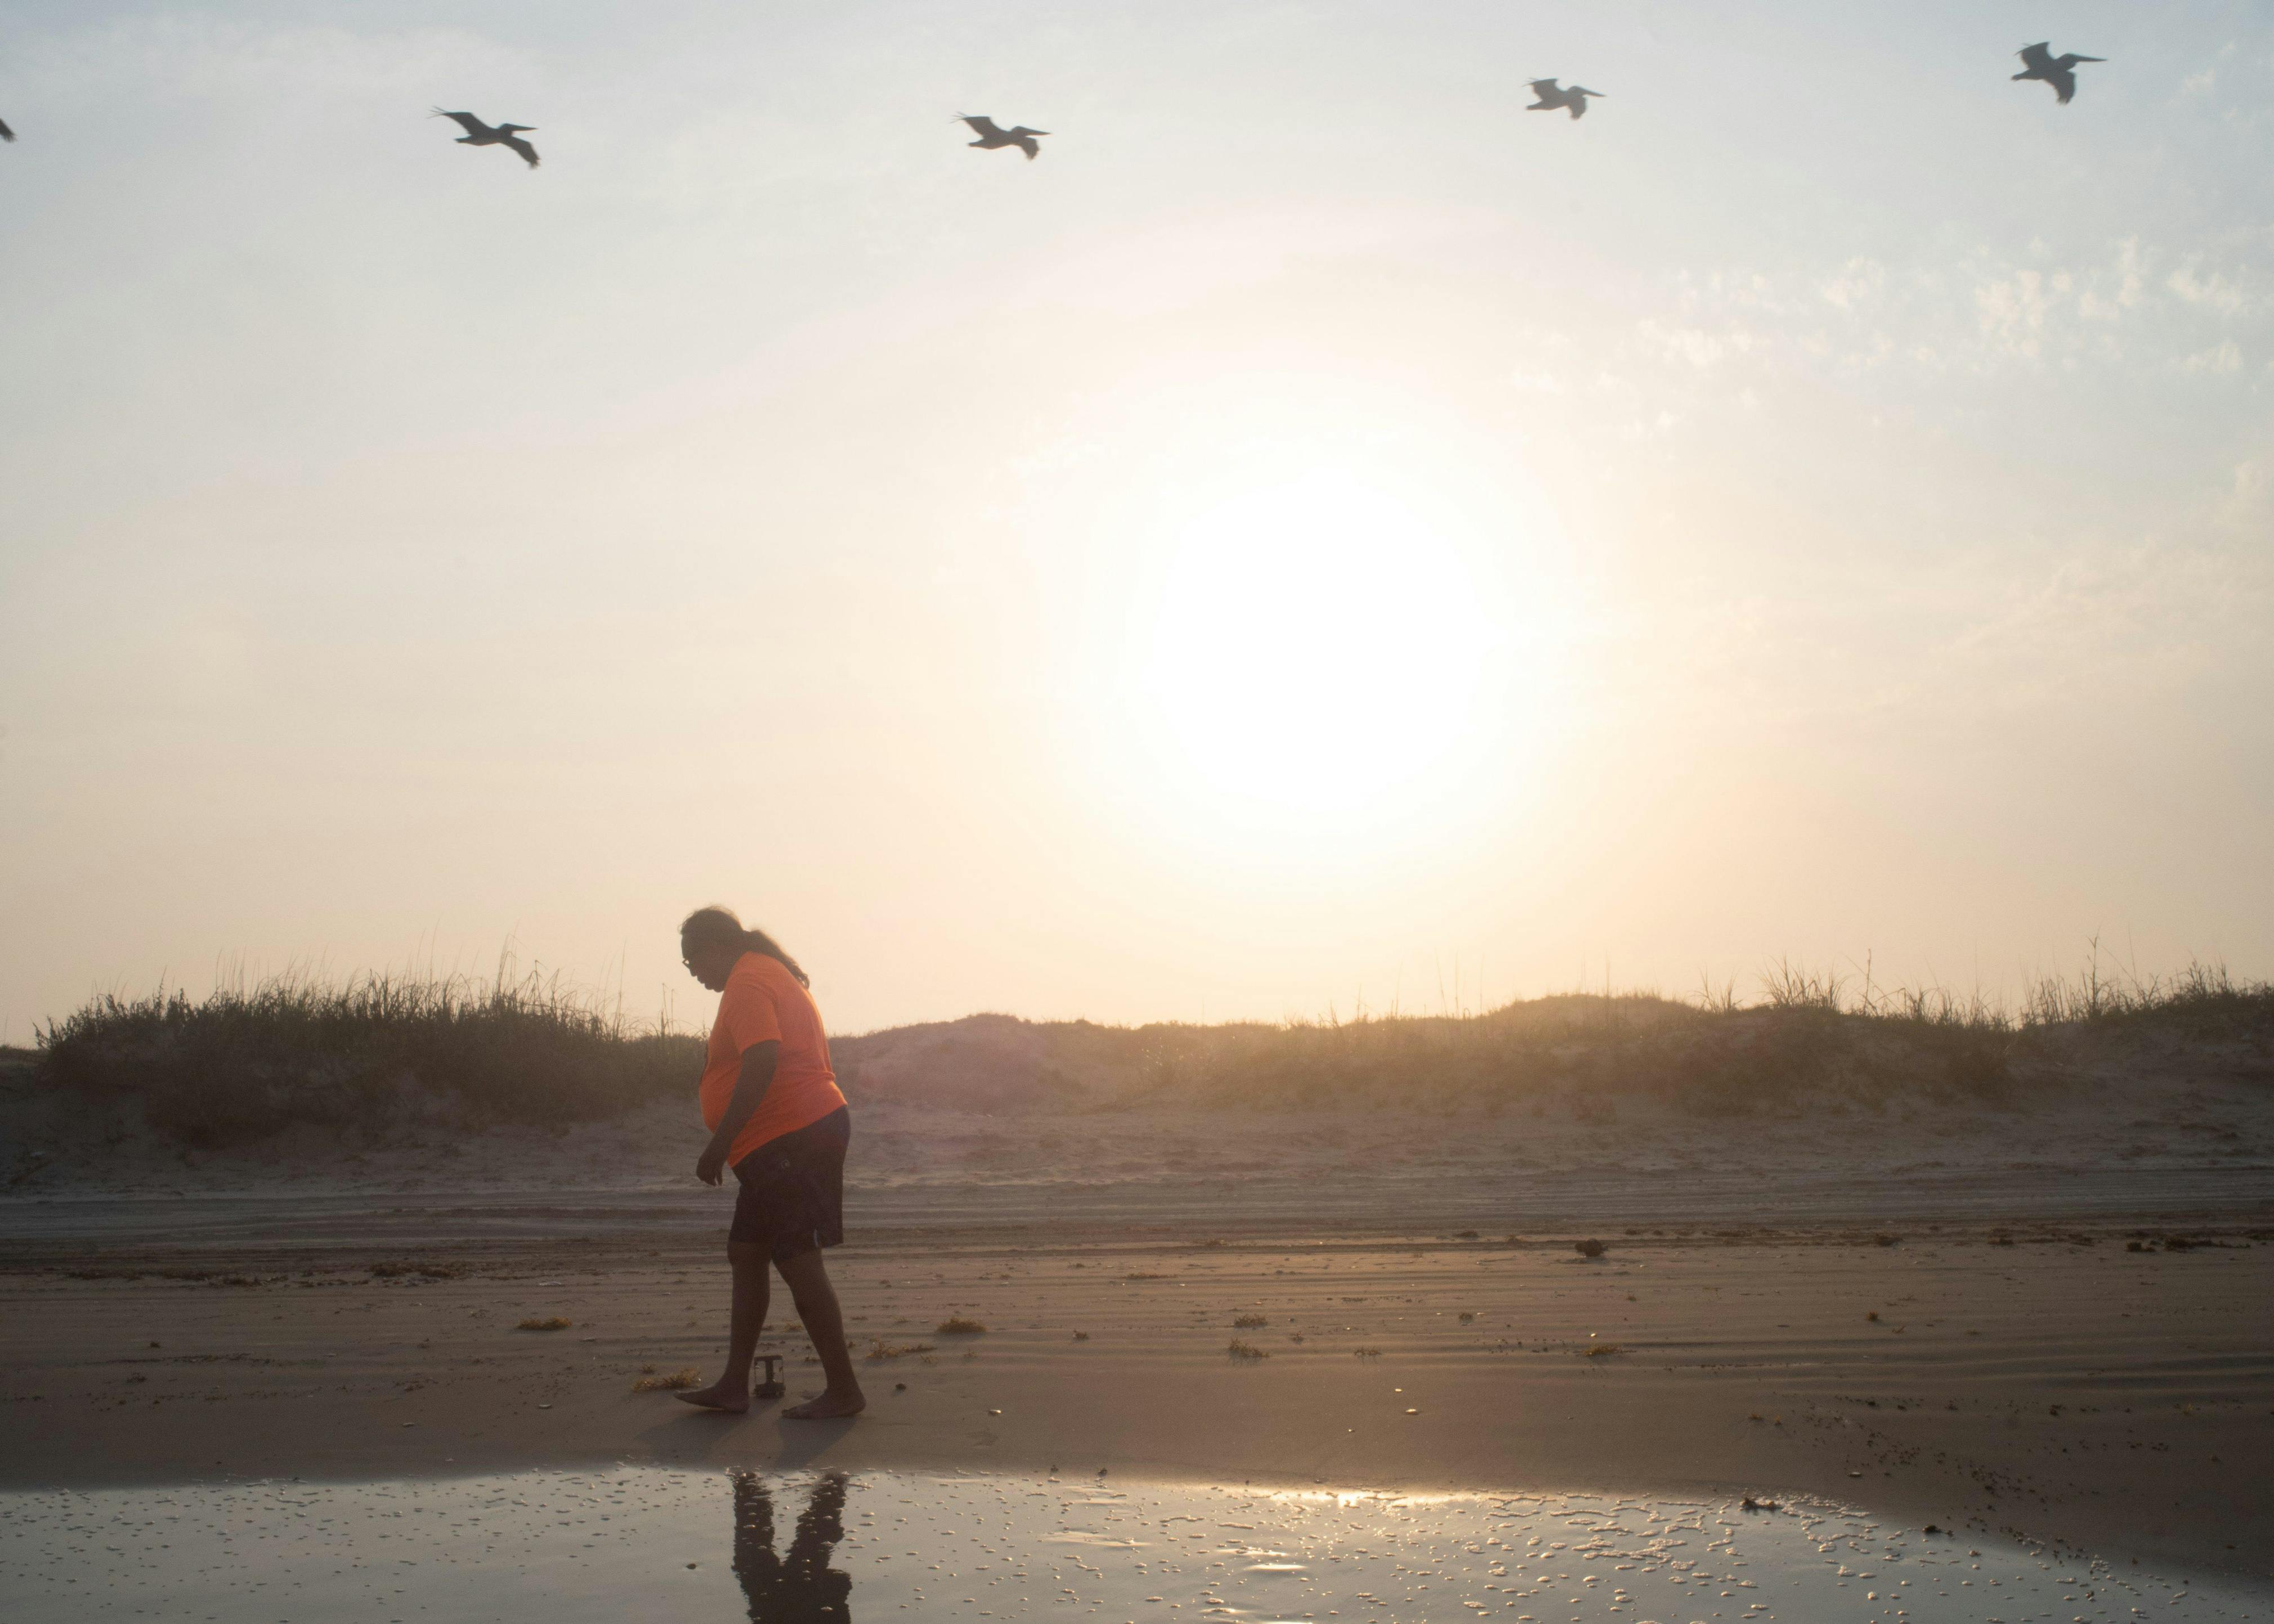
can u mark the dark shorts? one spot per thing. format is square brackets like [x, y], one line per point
[793, 1195]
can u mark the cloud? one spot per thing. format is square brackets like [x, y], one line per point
[2223, 357]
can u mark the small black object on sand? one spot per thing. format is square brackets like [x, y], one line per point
[770, 1385]
[1591, 1249]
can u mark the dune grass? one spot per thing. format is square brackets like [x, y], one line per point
[1811, 1040]
[380, 1054]
[390, 1057]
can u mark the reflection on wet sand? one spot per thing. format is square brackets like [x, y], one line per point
[634, 1543]
[802, 1588]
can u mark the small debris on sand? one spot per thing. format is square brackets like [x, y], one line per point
[678, 1381]
[1240, 1349]
[957, 1324]
[1248, 1322]
[1591, 1249]
[553, 1322]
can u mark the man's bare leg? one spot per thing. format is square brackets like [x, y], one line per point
[825, 1323]
[732, 1391]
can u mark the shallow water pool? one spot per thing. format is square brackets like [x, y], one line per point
[638, 1544]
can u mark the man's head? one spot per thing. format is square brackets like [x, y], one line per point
[710, 941]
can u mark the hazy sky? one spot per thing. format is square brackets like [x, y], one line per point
[1318, 527]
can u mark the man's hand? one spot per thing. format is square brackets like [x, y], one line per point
[711, 1164]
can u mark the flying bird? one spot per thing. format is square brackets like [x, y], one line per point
[2038, 62]
[480, 134]
[1551, 98]
[992, 135]
[6, 135]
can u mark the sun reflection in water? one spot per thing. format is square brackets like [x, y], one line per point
[562, 1548]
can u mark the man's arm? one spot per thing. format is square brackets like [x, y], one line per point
[756, 1077]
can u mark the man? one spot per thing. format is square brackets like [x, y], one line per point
[778, 1118]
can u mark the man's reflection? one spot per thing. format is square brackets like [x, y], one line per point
[802, 1588]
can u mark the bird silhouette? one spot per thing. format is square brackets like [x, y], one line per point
[6, 135]
[480, 134]
[1551, 97]
[992, 135]
[2038, 62]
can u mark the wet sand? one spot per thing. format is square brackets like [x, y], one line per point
[642, 1542]
[2045, 1381]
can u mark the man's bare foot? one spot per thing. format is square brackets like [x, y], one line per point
[724, 1397]
[828, 1406]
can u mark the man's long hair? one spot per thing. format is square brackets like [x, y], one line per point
[724, 925]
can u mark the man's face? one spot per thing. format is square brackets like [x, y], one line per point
[708, 962]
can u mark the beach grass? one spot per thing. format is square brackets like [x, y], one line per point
[386, 1058]
[381, 1054]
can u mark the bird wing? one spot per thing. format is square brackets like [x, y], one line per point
[6, 135]
[1581, 90]
[2064, 84]
[527, 151]
[2037, 57]
[1029, 144]
[467, 122]
[1544, 87]
[981, 126]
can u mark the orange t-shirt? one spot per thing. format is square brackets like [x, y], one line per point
[763, 1001]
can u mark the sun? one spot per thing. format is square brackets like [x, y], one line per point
[1317, 650]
